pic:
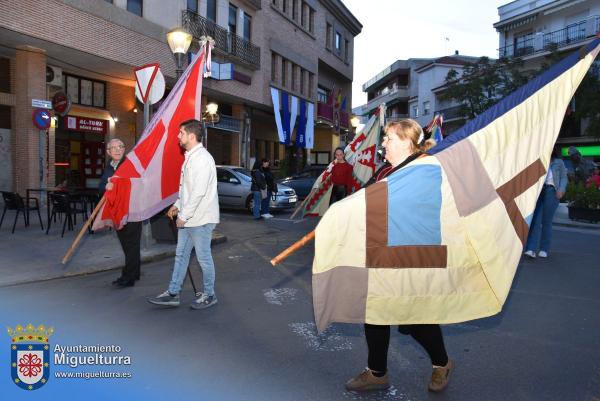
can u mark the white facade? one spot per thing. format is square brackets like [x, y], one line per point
[528, 28]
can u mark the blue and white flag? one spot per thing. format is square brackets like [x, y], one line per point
[285, 117]
[277, 113]
[301, 132]
[310, 125]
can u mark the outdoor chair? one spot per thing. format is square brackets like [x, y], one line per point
[62, 203]
[14, 201]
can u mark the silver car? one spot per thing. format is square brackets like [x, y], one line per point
[233, 186]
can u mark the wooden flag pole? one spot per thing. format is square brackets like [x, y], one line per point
[80, 235]
[299, 244]
[302, 204]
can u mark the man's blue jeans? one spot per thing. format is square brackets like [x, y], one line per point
[197, 238]
[265, 203]
[257, 202]
[540, 231]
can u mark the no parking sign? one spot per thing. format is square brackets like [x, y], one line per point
[41, 118]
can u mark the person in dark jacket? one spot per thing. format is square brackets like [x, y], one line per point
[271, 188]
[401, 142]
[131, 233]
[258, 188]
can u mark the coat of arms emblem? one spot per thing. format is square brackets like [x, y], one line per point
[30, 355]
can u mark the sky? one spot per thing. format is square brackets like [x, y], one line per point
[402, 29]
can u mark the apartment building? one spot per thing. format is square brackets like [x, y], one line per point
[530, 29]
[414, 89]
[87, 49]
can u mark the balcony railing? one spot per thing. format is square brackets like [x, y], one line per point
[325, 111]
[226, 42]
[450, 113]
[400, 91]
[572, 34]
[227, 123]
[395, 117]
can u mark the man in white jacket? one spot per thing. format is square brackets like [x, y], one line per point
[197, 211]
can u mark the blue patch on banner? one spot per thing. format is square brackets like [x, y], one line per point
[414, 206]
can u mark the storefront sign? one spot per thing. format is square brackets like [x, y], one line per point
[61, 103]
[41, 104]
[86, 124]
[41, 118]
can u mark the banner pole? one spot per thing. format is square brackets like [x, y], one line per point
[80, 235]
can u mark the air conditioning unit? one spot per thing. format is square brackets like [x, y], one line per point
[54, 76]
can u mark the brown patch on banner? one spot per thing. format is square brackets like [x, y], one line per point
[379, 254]
[471, 186]
[376, 198]
[522, 181]
[408, 256]
[519, 223]
[340, 295]
[515, 187]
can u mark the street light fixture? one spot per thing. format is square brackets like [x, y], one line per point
[179, 42]
[209, 116]
[354, 121]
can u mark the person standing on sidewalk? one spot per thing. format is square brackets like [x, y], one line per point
[540, 231]
[197, 211]
[271, 189]
[258, 188]
[130, 235]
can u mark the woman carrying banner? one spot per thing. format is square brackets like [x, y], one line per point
[401, 143]
[341, 176]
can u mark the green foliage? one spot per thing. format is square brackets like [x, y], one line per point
[483, 83]
[578, 195]
[587, 100]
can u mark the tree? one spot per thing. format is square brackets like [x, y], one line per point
[483, 83]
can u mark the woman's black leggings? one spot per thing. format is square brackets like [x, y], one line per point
[428, 335]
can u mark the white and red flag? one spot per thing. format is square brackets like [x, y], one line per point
[148, 180]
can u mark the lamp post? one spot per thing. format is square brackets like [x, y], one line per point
[354, 122]
[179, 42]
[209, 116]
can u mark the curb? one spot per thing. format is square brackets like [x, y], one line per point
[217, 238]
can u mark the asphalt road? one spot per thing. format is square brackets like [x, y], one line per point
[260, 343]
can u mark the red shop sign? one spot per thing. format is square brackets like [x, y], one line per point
[87, 124]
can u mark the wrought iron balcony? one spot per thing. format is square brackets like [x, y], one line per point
[574, 33]
[227, 123]
[225, 42]
[451, 113]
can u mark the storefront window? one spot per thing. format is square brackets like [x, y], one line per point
[86, 92]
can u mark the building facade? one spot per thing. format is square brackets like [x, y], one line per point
[414, 89]
[88, 49]
[532, 29]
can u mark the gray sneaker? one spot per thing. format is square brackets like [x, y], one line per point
[205, 301]
[165, 299]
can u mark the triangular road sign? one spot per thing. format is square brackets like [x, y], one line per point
[144, 76]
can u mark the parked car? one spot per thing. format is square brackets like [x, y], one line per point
[302, 182]
[233, 187]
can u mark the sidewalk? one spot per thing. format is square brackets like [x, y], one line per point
[31, 255]
[561, 218]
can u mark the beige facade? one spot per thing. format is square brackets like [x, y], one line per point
[102, 43]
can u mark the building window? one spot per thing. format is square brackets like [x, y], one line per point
[273, 67]
[294, 9]
[346, 50]
[311, 20]
[135, 6]
[284, 6]
[109, 1]
[4, 75]
[415, 111]
[338, 42]
[283, 72]
[311, 84]
[323, 94]
[302, 91]
[294, 77]
[86, 92]
[211, 10]
[302, 14]
[426, 108]
[232, 19]
[328, 34]
[192, 5]
[247, 26]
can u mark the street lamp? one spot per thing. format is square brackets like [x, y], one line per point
[209, 116]
[179, 42]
